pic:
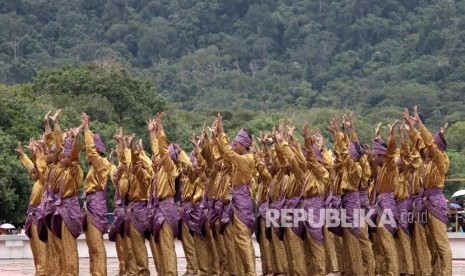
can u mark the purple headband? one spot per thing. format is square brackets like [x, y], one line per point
[356, 151]
[378, 146]
[67, 148]
[243, 138]
[317, 153]
[173, 151]
[99, 145]
[440, 141]
[193, 159]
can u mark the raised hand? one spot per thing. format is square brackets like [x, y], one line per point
[306, 130]
[444, 128]
[112, 154]
[47, 117]
[391, 128]
[131, 140]
[416, 116]
[194, 140]
[400, 131]
[19, 149]
[378, 130]
[77, 130]
[55, 116]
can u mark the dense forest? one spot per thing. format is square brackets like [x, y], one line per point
[255, 61]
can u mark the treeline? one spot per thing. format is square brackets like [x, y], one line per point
[254, 61]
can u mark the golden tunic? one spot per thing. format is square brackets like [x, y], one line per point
[348, 172]
[70, 177]
[139, 179]
[38, 188]
[437, 168]
[243, 165]
[167, 172]
[388, 173]
[97, 176]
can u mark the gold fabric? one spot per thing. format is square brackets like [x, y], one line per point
[222, 253]
[139, 179]
[38, 249]
[352, 253]
[339, 253]
[420, 251]
[165, 247]
[388, 245]
[97, 253]
[121, 251]
[279, 261]
[202, 255]
[295, 252]
[234, 264]
[437, 168]
[331, 262]
[441, 253]
[265, 250]
[244, 166]
[54, 259]
[168, 171]
[366, 172]
[317, 257]
[404, 252]
[348, 172]
[71, 177]
[367, 251]
[69, 252]
[140, 251]
[380, 262]
[156, 256]
[244, 246]
[189, 250]
[388, 173]
[213, 259]
[38, 188]
[96, 179]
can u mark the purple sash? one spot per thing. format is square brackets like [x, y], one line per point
[241, 202]
[313, 205]
[120, 217]
[137, 216]
[364, 201]
[279, 205]
[49, 202]
[351, 204]
[198, 219]
[334, 202]
[295, 203]
[436, 204]
[96, 210]
[184, 209]
[166, 211]
[404, 210]
[68, 212]
[261, 215]
[386, 202]
[34, 216]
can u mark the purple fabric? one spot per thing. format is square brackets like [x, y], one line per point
[364, 201]
[118, 226]
[241, 201]
[173, 151]
[184, 209]
[137, 216]
[291, 204]
[440, 141]
[34, 216]
[67, 148]
[314, 204]
[334, 202]
[226, 216]
[193, 159]
[386, 202]
[243, 138]
[436, 204]
[419, 209]
[198, 219]
[261, 215]
[68, 212]
[355, 150]
[378, 147]
[96, 210]
[351, 204]
[166, 211]
[404, 211]
[99, 144]
[317, 153]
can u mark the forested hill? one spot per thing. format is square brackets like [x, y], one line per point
[255, 61]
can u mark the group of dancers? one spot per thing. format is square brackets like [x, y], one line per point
[228, 191]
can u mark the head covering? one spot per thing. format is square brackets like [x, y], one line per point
[193, 159]
[53, 147]
[317, 153]
[67, 148]
[243, 138]
[355, 150]
[379, 147]
[173, 151]
[99, 145]
[440, 141]
[399, 162]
